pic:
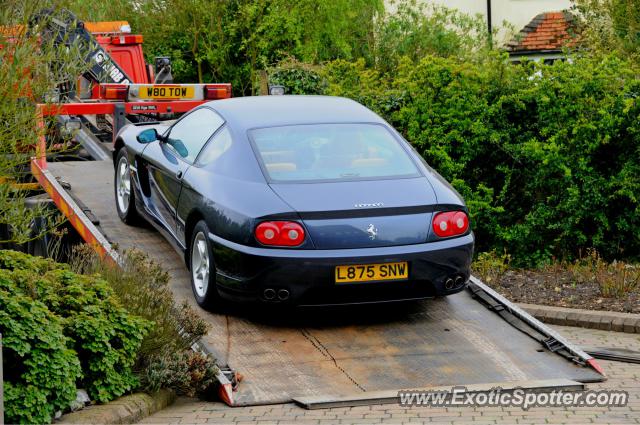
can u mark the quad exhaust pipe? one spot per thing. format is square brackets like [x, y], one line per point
[454, 282]
[270, 294]
[449, 284]
[283, 295]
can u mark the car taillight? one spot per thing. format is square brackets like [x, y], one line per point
[217, 91]
[114, 92]
[450, 223]
[280, 233]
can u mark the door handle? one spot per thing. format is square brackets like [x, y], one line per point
[179, 175]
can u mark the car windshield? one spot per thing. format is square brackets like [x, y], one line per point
[325, 152]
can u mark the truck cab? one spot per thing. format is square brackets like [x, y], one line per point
[124, 48]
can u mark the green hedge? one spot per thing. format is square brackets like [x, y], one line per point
[61, 330]
[40, 371]
[297, 78]
[546, 156]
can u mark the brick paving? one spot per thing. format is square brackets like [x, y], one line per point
[621, 376]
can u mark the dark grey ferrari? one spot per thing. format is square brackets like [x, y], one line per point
[303, 200]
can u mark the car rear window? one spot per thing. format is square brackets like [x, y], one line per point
[326, 152]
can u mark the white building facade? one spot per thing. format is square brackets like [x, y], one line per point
[518, 13]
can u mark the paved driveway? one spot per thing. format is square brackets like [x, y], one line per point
[621, 376]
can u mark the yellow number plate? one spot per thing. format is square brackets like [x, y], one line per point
[372, 272]
[166, 92]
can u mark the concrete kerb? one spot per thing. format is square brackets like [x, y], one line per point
[124, 410]
[591, 319]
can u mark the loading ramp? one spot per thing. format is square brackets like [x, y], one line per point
[345, 352]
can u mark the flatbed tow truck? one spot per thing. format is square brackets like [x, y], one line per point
[346, 355]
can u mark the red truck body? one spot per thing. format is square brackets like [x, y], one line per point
[124, 48]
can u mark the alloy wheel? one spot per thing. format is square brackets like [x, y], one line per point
[123, 185]
[200, 264]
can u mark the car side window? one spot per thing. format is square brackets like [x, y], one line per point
[216, 147]
[188, 136]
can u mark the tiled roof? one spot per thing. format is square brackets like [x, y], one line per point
[549, 31]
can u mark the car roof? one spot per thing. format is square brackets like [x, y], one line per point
[244, 113]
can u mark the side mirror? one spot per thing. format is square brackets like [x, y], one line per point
[178, 146]
[148, 136]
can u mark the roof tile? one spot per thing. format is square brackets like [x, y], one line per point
[547, 31]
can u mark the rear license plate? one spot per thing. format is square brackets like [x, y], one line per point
[372, 272]
[166, 92]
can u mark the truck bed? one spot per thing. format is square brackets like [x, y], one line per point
[338, 351]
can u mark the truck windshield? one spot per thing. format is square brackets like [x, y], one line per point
[330, 152]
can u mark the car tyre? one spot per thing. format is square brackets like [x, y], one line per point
[123, 189]
[201, 266]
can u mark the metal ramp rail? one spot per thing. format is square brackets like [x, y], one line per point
[349, 354]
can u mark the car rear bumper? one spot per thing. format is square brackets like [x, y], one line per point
[244, 273]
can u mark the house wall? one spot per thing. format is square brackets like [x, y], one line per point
[517, 12]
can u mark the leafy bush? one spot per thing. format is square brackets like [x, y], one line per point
[297, 78]
[40, 370]
[187, 372]
[616, 279]
[363, 84]
[143, 285]
[415, 30]
[27, 76]
[81, 313]
[609, 26]
[490, 266]
[230, 41]
[546, 156]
